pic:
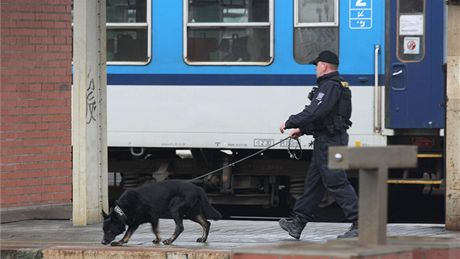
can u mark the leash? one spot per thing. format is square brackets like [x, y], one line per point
[292, 154]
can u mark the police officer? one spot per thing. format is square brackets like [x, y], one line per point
[327, 118]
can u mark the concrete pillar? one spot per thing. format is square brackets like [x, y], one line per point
[89, 120]
[373, 164]
[453, 118]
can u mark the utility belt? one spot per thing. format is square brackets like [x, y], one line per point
[330, 127]
[327, 132]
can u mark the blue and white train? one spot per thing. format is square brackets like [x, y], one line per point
[196, 84]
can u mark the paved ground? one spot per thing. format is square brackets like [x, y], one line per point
[224, 234]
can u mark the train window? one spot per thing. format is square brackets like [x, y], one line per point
[221, 32]
[411, 30]
[128, 31]
[316, 28]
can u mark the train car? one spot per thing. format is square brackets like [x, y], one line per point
[195, 85]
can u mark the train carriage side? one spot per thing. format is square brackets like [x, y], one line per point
[197, 84]
[415, 76]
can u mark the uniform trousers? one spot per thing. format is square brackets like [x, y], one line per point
[320, 178]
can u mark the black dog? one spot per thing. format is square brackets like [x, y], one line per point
[151, 201]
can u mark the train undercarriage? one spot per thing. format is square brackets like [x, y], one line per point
[257, 181]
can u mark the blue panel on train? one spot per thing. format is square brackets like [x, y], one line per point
[416, 81]
[356, 45]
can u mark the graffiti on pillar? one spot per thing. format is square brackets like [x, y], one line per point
[91, 104]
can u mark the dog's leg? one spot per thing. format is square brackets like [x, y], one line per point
[176, 214]
[177, 231]
[200, 219]
[126, 237]
[154, 224]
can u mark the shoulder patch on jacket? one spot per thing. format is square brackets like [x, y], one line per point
[344, 84]
[320, 96]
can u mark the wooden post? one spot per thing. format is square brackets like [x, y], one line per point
[89, 120]
[453, 118]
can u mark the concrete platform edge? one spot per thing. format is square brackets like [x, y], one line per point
[399, 247]
[63, 252]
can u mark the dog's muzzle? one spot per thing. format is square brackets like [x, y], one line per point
[105, 242]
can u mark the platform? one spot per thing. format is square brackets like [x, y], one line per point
[227, 239]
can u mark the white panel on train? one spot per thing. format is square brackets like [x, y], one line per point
[218, 116]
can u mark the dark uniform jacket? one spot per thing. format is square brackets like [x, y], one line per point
[323, 105]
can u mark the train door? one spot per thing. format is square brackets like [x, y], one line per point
[415, 72]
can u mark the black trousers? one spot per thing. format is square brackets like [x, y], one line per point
[320, 178]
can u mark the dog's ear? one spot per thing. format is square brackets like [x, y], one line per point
[115, 203]
[104, 214]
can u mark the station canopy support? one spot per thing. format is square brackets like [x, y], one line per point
[89, 113]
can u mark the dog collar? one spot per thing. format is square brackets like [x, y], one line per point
[119, 211]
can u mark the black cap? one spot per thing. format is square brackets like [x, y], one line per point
[326, 56]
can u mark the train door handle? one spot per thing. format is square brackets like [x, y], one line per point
[398, 77]
[397, 73]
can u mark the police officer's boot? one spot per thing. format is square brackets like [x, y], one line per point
[293, 226]
[352, 232]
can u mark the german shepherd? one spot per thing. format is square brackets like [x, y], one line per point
[149, 202]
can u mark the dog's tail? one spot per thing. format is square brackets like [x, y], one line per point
[208, 210]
